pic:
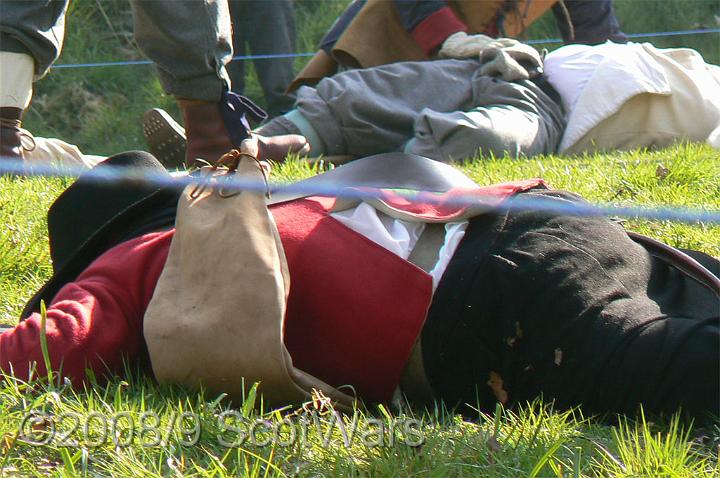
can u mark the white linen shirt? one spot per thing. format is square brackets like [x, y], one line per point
[398, 236]
[596, 81]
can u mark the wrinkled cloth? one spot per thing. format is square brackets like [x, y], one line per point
[510, 60]
[505, 58]
[53, 151]
[462, 45]
[633, 96]
[16, 77]
[445, 110]
[571, 308]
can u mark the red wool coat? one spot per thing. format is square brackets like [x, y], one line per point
[354, 309]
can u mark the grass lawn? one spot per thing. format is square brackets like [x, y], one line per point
[132, 427]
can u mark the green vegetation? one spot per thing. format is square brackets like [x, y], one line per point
[137, 429]
[99, 108]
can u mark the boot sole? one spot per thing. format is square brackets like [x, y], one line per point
[165, 138]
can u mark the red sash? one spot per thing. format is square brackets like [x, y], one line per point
[355, 309]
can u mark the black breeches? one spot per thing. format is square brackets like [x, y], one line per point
[569, 308]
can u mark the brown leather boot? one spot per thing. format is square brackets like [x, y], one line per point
[207, 137]
[10, 134]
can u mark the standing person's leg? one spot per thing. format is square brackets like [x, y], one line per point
[269, 29]
[236, 68]
[189, 41]
[593, 21]
[31, 38]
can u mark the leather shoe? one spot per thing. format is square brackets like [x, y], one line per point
[10, 133]
[165, 138]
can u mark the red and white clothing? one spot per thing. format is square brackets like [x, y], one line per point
[354, 311]
[522, 285]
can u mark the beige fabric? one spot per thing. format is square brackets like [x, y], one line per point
[217, 315]
[646, 97]
[502, 58]
[462, 45]
[376, 37]
[16, 76]
[59, 153]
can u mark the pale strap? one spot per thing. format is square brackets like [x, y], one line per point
[414, 382]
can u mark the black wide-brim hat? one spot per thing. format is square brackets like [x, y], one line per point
[92, 216]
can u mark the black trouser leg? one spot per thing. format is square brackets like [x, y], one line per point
[567, 307]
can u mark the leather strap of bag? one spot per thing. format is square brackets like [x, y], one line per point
[414, 381]
[681, 261]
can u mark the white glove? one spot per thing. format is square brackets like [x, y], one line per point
[502, 59]
[462, 45]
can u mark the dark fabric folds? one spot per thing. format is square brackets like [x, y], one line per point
[571, 309]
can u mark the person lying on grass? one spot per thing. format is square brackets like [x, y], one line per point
[497, 101]
[612, 96]
[514, 303]
[578, 99]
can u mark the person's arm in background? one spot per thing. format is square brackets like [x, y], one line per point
[429, 22]
[432, 22]
[340, 25]
[588, 22]
[95, 321]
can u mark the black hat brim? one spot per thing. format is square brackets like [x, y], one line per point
[150, 210]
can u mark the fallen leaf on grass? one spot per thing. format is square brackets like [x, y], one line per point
[518, 335]
[493, 444]
[6, 443]
[319, 402]
[661, 171]
[496, 385]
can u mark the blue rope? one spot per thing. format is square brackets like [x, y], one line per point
[148, 62]
[109, 175]
[301, 55]
[639, 35]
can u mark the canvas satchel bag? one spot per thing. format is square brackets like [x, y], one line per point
[216, 318]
